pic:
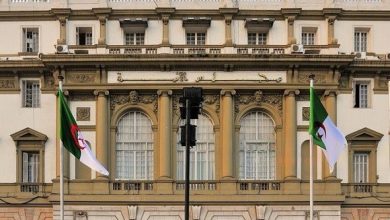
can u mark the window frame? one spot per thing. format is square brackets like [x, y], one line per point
[364, 141]
[77, 35]
[358, 46]
[270, 176]
[23, 84]
[357, 94]
[149, 167]
[257, 38]
[197, 41]
[36, 48]
[134, 35]
[29, 140]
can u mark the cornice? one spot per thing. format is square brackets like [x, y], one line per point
[296, 13]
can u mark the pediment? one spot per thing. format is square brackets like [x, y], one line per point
[29, 134]
[364, 134]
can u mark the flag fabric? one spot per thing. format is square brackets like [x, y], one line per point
[325, 133]
[73, 140]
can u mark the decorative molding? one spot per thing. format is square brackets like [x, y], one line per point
[318, 78]
[82, 97]
[133, 98]
[305, 113]
[257, 98]
[49, 81]
[81, 78]
[210, 99]
[83, 113]
[7, 84]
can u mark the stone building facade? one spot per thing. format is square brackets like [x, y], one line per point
[125, 63]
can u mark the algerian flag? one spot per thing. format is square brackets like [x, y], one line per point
[325, 133]
[73, 140]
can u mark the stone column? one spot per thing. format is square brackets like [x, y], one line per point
[102, 129]
[331, 39]
[227, 133]
[331, 108]
[165, 40]
[290, 147]
[102, 37]
[164, 130]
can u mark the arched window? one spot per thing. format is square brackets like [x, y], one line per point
[202, 155]
[134, 147]
[257, 147]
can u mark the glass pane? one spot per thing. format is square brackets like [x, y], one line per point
[257, 151]
[134, 147]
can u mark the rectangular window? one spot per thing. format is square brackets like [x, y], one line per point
[134, 38]
[360, 167]
[361, 94]
[30, 40]
[84, 35]
[360, 41]
[30, 167]
[257, 38]
[196, 38]
[308, 38]
[31, 93]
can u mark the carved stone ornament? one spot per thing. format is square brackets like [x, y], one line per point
[343, 82]
[305, 113]
[318, 78]
[210, 99]
[176, 104]
[81, 78]
[133, 98]
[83, 113]
[7, 83]
[49, 81]
[181, 77]
[258, 97]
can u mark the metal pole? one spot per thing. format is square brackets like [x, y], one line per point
[187, 163]
[311, 167]
[61, 161]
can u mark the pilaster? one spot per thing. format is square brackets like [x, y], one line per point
[165, 13]
[228, 14]
[290, 139]
[102, 129]
[62, 16]
[227, 133]
[102, 14]
[290, 14]
[164, 131]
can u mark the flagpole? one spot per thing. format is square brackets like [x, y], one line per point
[61, 161]
[311, 162]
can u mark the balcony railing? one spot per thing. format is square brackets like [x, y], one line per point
[134, 186]
[29, 187]
[259, 186]
[198, 185]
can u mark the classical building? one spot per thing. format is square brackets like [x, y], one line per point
[125, 63]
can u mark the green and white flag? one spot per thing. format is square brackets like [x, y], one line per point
[325, 134]
[73, 140]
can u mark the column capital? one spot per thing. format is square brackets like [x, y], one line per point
[228, 92]
[101, 92]
[164, 92]
[331, 93]
[291, 92]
